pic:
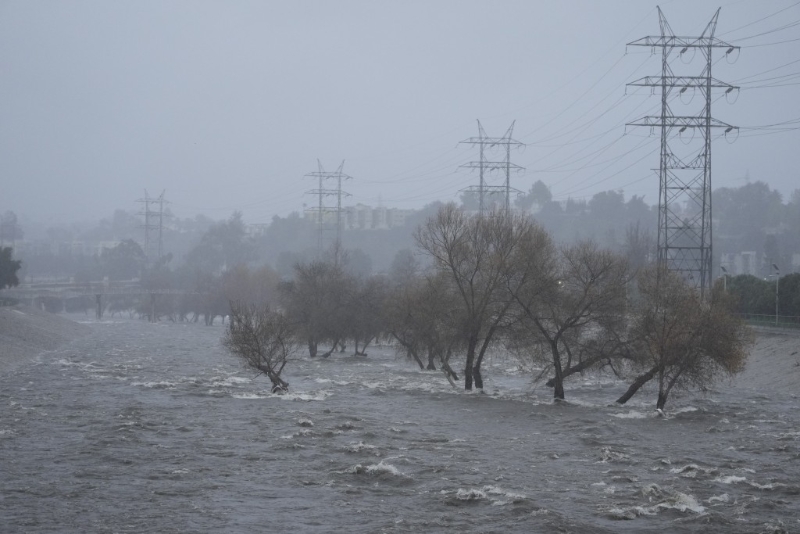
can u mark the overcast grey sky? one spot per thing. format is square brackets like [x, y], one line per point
[227, 105]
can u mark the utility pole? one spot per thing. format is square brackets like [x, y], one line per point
[777, 277]
[684, 198]
[322, 192]
[153, 213]
[485, 166]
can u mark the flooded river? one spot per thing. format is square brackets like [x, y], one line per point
[155, 428]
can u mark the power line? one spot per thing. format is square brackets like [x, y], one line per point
[761, 19]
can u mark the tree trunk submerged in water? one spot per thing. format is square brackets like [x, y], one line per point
[476, 374]
[448, 371]
[662, 400]
[279, 385]
[577, 368]
[558, 380]
[431, 366]
[412, 354]
[468, 370]
[640, 381]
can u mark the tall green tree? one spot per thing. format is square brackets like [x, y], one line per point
[223, 246]
[8, 268]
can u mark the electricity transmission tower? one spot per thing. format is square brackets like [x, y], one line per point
[323, 220]
[485, 166]
[153, 213]
[684, 199]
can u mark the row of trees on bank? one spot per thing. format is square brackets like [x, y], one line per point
[499, 282]
[756, 296]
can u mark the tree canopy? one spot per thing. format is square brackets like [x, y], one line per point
[8, 268]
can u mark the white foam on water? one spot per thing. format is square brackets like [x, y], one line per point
[681, 502]
[162, 384]
[330, 381]
[229, 381]
[692, 470]
[359, 447]
[383, 468]
[770, 486]
[299, 434]
[89, 366]
[730, 479]
[507, 496]
[315, 396]
[719, 498]
[470, 494]
[305, 422]
[607, 455]
[630, 512]
[685, 502]
[249, 396]
[669, 498]
[631, 415]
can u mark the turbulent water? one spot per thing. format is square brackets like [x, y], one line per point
[143, 427]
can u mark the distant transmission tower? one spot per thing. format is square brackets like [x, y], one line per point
[684, 198]
[485, 166]
[153, 213]
[322, 192]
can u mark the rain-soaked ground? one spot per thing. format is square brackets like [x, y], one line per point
[155, 428]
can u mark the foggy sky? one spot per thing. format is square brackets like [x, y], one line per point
[227, 105]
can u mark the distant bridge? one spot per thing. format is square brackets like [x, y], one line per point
[69, 290]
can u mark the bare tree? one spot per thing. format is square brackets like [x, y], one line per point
[263, 339]
[682, 340]
[422, 315]
[314, 302]
[478, 254]
[578, 303]
[640, 246]
[363, 312]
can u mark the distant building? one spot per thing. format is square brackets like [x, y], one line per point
[362, 217]
[256, 230]
[738, 263]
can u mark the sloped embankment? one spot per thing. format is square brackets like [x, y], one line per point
[26, 332]
[774, 363]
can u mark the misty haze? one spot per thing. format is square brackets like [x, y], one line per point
[399, 266]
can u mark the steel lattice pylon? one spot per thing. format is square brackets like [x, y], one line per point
[338, 175]
[684, 200]
[153, 227]
[483, 165]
